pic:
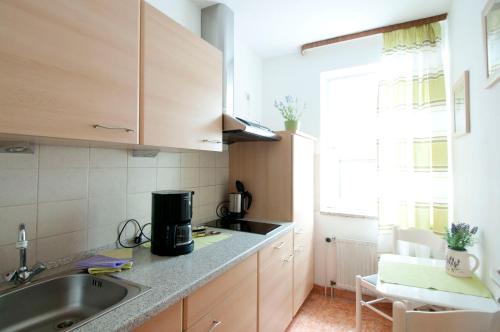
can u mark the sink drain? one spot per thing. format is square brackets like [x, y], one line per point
[64, 324]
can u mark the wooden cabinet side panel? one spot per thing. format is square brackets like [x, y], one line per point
[68, 65]
[181, 101]
[265, 168]
[169, 320]
[203, 300]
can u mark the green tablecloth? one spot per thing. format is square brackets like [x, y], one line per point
[424, 276]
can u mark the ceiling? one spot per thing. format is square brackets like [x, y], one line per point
[277, 27]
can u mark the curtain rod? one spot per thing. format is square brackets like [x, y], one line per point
[387, 28]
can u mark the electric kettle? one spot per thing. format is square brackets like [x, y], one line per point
[239, 202]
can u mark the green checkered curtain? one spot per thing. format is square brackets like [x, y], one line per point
[413, 131]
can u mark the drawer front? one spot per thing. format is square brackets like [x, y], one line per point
[236, 312]
[202, 302]
[274, 254]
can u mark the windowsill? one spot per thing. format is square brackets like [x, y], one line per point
[347, 215]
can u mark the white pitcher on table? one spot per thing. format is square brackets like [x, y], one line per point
[458, 263]
[459, 237]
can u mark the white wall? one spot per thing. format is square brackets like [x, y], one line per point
[299, 76]
[476, 156]
[184, 12]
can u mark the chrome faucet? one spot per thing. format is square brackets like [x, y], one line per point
[24, 274]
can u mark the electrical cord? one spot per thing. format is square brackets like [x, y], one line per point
[222, 210]
[138, 238]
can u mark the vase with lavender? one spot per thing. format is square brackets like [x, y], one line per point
[459, 237]
[290, 111]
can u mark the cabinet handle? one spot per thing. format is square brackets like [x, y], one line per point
[128, 130]
[279, 246]
[288, 259]
[211, 141]
[214, 325]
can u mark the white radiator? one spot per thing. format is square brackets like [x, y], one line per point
[353, 258]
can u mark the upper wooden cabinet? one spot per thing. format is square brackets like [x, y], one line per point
[181, 99]
[67, 66]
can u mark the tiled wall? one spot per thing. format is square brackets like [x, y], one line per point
[73, 198]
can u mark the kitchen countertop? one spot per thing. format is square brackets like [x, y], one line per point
[173, 278]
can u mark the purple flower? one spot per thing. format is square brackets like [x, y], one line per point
[474, 230]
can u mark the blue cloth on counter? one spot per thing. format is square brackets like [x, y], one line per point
[101, 261]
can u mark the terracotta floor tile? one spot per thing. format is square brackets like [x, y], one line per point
[320, 313]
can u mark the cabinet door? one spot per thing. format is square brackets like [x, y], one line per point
[303, 268]
[276, 285]
[66, 66]
[181, 103]
[169, 320]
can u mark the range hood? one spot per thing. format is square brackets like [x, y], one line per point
[217, 28]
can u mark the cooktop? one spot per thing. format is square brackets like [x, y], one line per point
[243, 226]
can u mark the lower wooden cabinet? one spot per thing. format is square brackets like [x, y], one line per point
[262, 293]
[169, 320]
[276, 285]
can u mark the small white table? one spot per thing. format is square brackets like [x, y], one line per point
[430, 296]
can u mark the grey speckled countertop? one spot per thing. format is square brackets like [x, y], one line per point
[173, 278]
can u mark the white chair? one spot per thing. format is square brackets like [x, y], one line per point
[416, 236]
[456, 321]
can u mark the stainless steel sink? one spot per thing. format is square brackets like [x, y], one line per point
[63, 302]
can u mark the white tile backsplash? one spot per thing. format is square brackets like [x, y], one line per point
[190, 159]
[207, 176]
[139, 207]
[18, 186]
[103, 157]
[107, 181]
[207, 159]
[190, 177]
[52, 156]
[169, 159]
[74, 198]
[62, 184]
[11, 217]
[61, 217]
[168, 178]
[50, 248]
[140, 180]
[107, 210]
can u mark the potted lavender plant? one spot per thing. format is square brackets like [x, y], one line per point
[289, 109]
[459, 237]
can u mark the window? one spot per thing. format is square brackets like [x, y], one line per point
[348, 141]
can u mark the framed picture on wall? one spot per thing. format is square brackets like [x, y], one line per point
[461, 106]
[491, 31]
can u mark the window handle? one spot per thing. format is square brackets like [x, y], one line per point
[214, 325]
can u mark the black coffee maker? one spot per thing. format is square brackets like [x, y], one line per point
[171, 215]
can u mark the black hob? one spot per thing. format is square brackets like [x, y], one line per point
[243, 226]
